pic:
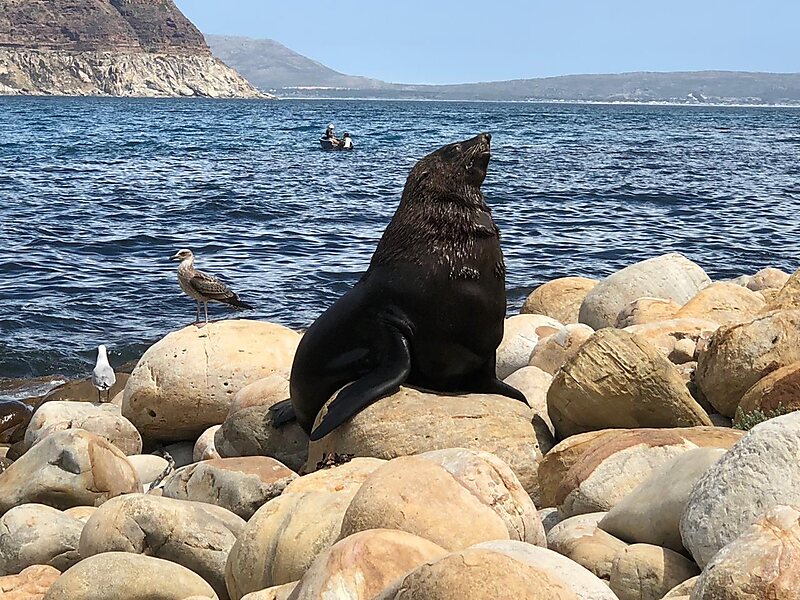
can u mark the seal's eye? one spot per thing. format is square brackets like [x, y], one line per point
[457, 149]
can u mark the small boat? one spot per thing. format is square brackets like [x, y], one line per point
[328, 144]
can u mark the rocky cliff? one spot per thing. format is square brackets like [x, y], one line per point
[109, 48]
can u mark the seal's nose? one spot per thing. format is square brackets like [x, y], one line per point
[487, 137]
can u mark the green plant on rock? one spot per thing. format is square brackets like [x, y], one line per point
[748, 420]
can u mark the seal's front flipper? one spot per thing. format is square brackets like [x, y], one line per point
[282, 413]
[496, 386]
[385, 379]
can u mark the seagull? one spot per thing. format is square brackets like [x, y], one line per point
[103, 377]
[203, 287]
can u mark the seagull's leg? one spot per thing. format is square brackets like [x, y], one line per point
[205, 305]
[98, 396]
[197, 318]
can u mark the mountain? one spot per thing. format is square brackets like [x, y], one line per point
[109, 47]
[271, 66]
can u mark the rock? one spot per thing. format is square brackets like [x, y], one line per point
[104, 420]
[619, 380]
[559, 460]
[412, 422]
[347, 477]
[759, 472]
[360, 566]
[763, 562]
[737, 356]
[30, 584]
[267, 391]
[82, 513]
[68, 468]
[279, 592]
[134, 576]
[682, 590]
[534, 383]
[184, 383]
[520, 335]
[651, 513]
[551, 352]
[671, 277]
[181, 452]
[204, 447]
[724, 303]
[241, 485]
[646, 310]
[612, 467]
[560, 298]
[34, 534]
[777, 392]
[283, 538]
[768, 278]
[645, 572]
[249, 432]
[454, 498]
[190, 534]
[549, 518]
[676, 339]
[148, 467]
[83, 390]
[581, 540]
[788, 297]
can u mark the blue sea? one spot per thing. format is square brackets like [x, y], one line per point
[97, 194]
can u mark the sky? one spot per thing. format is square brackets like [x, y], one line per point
[457, 41]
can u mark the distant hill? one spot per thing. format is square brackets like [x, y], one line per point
[271, 66]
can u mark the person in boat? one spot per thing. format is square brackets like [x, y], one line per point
[347, 141]
[330, 135]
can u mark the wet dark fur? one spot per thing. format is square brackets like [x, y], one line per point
[429, 310]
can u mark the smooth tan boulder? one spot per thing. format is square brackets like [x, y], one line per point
[204, 447]
[82, 513]
[778, 391]
[30, 584]
[724, 303]
[671, 276]
[534, 383]
[581, 540]
[148, 467]
[241, 485]
[249, 432]
[118, 575]
[677, 339]
[192, 534]
[454, 498]
[184, 383]
[651, 513]
[34, 534]
[412, 422]
[280, 592]
[646, 310]
[788, 297]
[360, 566]
[521, 333]
[737, 356]
[347, 477]
[612, 467]
[551, 352]
[617, 380]
[68, 468]
[645, 572]
[560, 298]
[266, 391]
[104, 420]
[763, 562]
[768, 278]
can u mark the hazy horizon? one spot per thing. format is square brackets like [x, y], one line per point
[520, 39]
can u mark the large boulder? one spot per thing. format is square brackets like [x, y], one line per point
[777, 392]
[580, 539]
[560, 298]
[185, 382]
[677, 339]
[618, 380]
[266, 391]
[763, 562]
[241, 485]
[360, 566]
[759, 472]
[454, 497]
[767, 279]
[553, 351]
[646, 310]
[68, 468]
[104, 420]
[521, 333]
[724, 303]
[31, 584]
[737, 356]
[651, 513]
[195, 535]
[671, 277]
[645, 572]
[117, 575]
[412, 422]
[34, 534]
[789, 295]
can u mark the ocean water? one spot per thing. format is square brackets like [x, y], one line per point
[97, 194]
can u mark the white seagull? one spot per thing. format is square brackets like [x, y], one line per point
[202, 287]
[103, 377]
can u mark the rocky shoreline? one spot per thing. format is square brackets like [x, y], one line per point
[656, 459]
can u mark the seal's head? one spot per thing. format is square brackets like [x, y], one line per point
[456, 170]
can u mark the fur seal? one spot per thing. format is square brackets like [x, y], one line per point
[429, 310]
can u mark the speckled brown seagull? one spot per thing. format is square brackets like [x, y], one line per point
[202, 287]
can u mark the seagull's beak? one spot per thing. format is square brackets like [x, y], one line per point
[176, 257]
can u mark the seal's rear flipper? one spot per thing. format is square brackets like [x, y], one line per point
[376, 384]
[282, 413]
